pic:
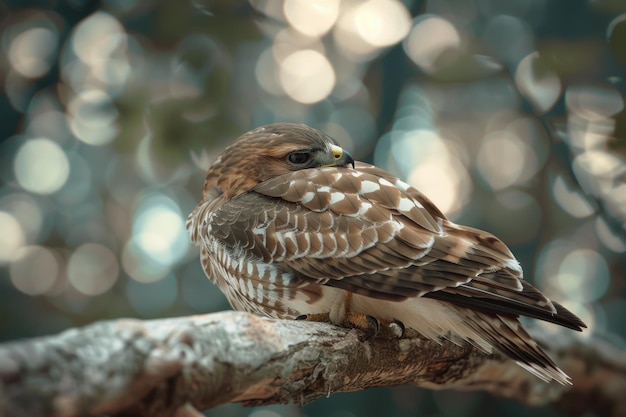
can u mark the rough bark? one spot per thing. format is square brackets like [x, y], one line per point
[174, 367]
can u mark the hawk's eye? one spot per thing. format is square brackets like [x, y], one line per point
[299, 157]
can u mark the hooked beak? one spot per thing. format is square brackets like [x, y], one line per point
[341, 157]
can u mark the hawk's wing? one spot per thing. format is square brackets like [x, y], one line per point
[367, 232]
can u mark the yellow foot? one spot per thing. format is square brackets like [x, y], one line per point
[370, 325]
[374, 327]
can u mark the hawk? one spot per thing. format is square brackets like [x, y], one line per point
[290, 226]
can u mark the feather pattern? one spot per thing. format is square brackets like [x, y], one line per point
[285, 241]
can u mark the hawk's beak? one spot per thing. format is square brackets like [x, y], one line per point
[341, 157]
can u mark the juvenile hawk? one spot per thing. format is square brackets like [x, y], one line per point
[290, 226]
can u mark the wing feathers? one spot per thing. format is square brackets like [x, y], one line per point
[361, 231]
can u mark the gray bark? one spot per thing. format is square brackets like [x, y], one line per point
[174, 367]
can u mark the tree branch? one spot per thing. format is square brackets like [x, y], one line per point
[173, 367]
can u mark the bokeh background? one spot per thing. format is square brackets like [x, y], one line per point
[509, 114]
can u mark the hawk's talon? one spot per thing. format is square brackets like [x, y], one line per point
[397, 328]
[302, 317]
[386, 329]
[367, 324]
[374, 326]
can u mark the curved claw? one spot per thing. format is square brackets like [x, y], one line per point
[397, 328]
[374, 326]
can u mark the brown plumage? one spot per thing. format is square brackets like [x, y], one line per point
[289, 225]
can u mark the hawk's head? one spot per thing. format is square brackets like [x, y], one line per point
[270, 151]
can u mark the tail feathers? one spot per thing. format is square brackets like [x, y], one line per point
[487, 331]
[499, 302]
[547, 374]
[507, 336]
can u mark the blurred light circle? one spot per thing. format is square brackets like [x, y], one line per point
[539, 84]
[350, 43]
[157, 229]
[28, 213]
[41, 166]
[97, 37]
[429, 39]
[571, 199]
[534, 139]
[159, 238]
[266, 72]
[31, 52]
[502, 159]
[160, 231]
[307, 76]
[382, 22]
[140, 266]
[584, 275]
[440, 182]
[101, 45]
[566, 272]
[92, 117]
[598, 170]
[613, 27]
[92, 269]
[594, 102]
[612, 239]
[34, 270]
[415, 146]
[115, 72]
[426, 161]
[615, 36]
[11, 238]
[548, 263]
[312, 18]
